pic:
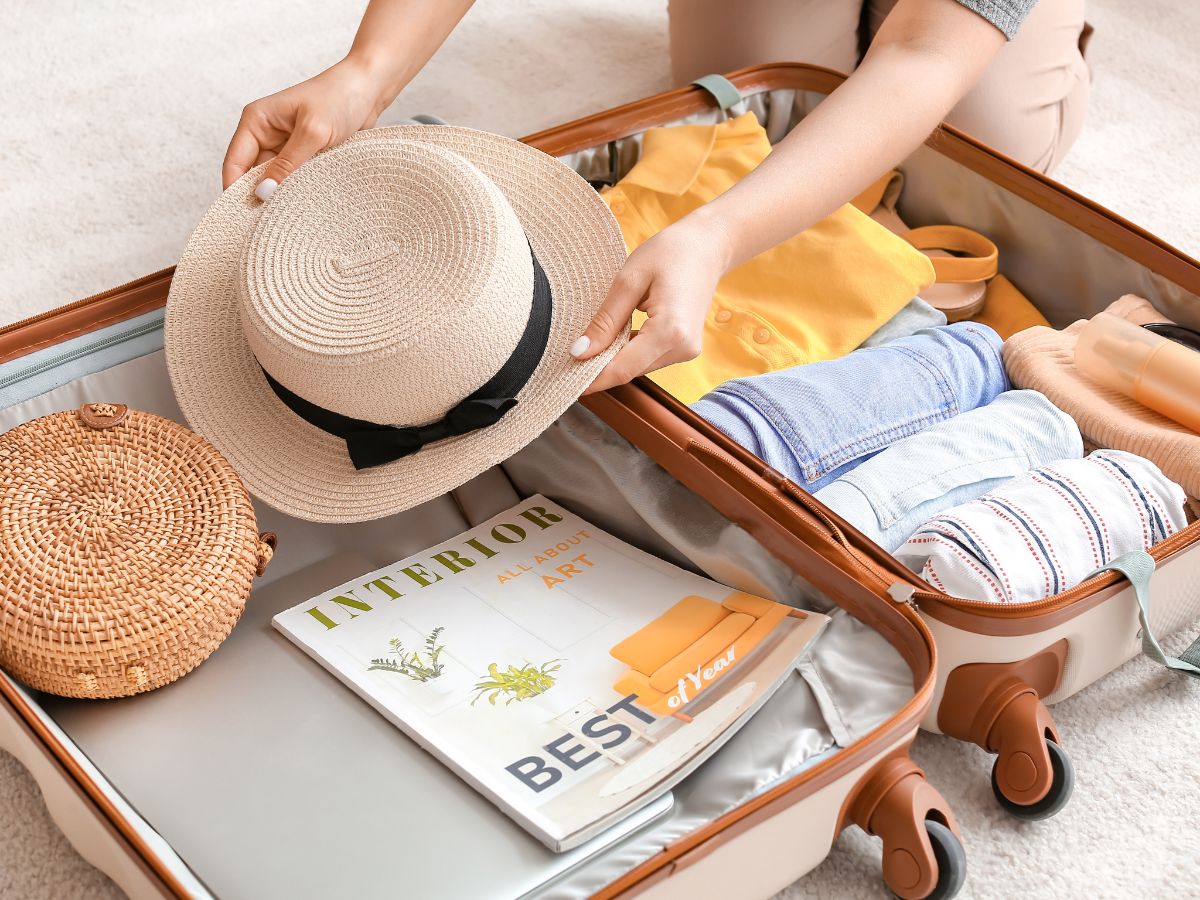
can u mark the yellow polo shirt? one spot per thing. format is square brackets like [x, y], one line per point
[816, 296]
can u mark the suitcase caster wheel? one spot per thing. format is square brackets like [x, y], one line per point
[1056, 798]
[922, 855]
[951, 861]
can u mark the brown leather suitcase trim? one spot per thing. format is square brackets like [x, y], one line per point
[1115, 231]
[876, 567]
[83, 316]
[744, 496]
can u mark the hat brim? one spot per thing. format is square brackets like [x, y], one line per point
[306, 472]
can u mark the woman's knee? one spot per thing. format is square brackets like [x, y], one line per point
[1031, 102]
[720, 36]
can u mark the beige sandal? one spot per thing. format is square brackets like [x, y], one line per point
[963, 260]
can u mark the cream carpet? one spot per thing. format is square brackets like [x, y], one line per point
[115, 117]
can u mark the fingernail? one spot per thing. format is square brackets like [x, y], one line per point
[580, 346]
[266, 188]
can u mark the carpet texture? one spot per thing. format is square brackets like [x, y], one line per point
[116, 115]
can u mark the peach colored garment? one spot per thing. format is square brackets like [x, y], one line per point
[1044, 359]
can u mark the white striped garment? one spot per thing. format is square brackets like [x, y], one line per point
[1047, 530]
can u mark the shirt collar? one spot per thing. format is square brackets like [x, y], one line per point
[672, 158]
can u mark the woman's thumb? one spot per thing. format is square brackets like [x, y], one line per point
[626, 292]
[306, 140]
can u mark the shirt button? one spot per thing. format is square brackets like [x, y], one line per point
[762, 336]
[723, 316]
[618, 208]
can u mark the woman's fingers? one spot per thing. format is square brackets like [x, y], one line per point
[626, 292]
[240, 158]
[307, 138]
[662, 341]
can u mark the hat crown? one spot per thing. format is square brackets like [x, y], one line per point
[387, 288]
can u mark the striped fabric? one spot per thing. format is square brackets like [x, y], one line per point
[1045, 531]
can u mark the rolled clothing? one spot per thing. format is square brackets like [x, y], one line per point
[892, 494]
[1044, 359]
[815, 423]
[1046, 531]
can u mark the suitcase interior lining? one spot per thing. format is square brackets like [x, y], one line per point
[260, 741]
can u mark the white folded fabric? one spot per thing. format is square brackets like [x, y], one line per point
[1046, 531]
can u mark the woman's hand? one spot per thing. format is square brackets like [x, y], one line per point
[289, 127]
[671, 278]
[394, 40]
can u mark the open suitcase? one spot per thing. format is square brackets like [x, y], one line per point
[115, 790]
[998, 665]
[258, 775]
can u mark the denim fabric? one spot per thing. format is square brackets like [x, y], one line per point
[816, 422]
[915, 315]
[892, 494]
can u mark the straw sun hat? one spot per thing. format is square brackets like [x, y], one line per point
[394, 320]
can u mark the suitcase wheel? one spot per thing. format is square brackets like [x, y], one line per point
[922, 855]
[999, 707]
[1056, 797]
[951, 861]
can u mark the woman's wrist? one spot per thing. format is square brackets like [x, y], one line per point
[380, 74]
[712, 231]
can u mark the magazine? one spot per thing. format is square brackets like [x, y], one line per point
[568, 676]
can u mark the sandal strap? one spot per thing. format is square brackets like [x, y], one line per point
[980, 262]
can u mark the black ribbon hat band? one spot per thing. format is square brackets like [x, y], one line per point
[371, 444]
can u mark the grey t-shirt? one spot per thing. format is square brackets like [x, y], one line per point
[1007, 15]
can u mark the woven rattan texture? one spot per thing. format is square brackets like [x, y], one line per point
[126, 552]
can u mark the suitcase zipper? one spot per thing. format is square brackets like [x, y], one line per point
[71, 355]
[92, 298]
[903, 592]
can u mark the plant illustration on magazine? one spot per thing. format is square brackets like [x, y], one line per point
[517, 684]
[411, 664]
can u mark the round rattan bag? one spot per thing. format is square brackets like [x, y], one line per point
[127, 549]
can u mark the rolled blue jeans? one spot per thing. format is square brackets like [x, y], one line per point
[895, 492]
[816, 422]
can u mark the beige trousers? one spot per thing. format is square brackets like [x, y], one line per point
[1029, 104]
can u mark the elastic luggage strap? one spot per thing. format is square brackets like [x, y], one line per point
[1138, 567]
[721, 89]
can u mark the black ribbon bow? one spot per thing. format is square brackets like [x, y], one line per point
[381, 444]
[370, 444]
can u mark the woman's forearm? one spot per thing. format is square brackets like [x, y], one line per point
[925, 58]
[397, 37]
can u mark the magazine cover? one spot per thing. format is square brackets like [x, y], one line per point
[568, 676]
